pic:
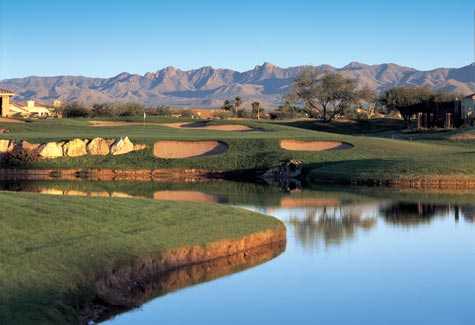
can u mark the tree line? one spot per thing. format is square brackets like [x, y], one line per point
[333, 95]
[324, 97]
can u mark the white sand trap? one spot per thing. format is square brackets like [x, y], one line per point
[188, 149]
[205, 126]
[188, 196]
[297, 145]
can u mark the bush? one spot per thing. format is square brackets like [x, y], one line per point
[223, 115]
[102, 110]
[244, 114]
[160, 111]
[73, 110]
[128, 109]
[19, 159]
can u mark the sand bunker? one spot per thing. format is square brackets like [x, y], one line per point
[118, 123]
[189, 196]
[206, 126]
[297, 145]
[188, 149]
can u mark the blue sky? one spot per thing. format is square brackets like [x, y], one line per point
[104, 38]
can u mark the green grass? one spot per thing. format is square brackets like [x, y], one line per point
[380, 148]
[52, 248]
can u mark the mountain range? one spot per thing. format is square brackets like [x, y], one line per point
[208, 87]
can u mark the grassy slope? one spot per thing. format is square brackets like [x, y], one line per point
[51, 247]
[373, 154]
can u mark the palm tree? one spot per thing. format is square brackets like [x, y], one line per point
[256, 109]
[237, 104]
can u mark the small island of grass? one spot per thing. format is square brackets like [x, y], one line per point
[55, 249]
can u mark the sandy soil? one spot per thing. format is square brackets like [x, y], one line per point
[119, 123]
[296, 145]
[187, 149]
[288, 202]
[467, 136]
[9, 120]
[191, 196]
[205, 126]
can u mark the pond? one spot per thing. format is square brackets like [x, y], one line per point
[353, 256]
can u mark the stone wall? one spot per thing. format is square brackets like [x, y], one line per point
[74, 147]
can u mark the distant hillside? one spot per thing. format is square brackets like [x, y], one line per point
[208, 87]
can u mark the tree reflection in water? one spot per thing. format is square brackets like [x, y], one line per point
[329, 225]
[410, 214]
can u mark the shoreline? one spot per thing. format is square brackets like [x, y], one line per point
[107, 174]
[423, 182]
[130, 286]
[193, 175]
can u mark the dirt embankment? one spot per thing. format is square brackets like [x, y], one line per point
[423, 182]
[128, 287]
[157, 175]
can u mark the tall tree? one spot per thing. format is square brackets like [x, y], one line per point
[325, 97]
[256, 109]
[227, 105]
[237, 104]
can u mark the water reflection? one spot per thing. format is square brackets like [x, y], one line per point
[372, 222]
[411, 214]
[330, 225]
[134, 286]
[316, 217]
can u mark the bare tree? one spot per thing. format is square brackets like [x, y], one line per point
[325, 97]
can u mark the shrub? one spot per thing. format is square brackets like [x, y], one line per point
[102, 110]
[75, 109]
[19, 158]
[160, 111]
[128, 109]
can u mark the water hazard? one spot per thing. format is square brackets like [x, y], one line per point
[353, 256]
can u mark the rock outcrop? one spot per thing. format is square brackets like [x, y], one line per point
[6, 146]
[122, 146]
[75, 148]
[98, 147]
[286, 175]
[51, 150]
[28, 147]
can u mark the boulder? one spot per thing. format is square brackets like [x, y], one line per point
[28, 147]
[287, 175]
[51, 150]
[140, 147]
[122, 146]
[75, 148]
[6, 145]
[98, 147]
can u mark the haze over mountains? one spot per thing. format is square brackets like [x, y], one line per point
[208, 87]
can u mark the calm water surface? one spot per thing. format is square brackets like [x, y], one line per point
[353, 256]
